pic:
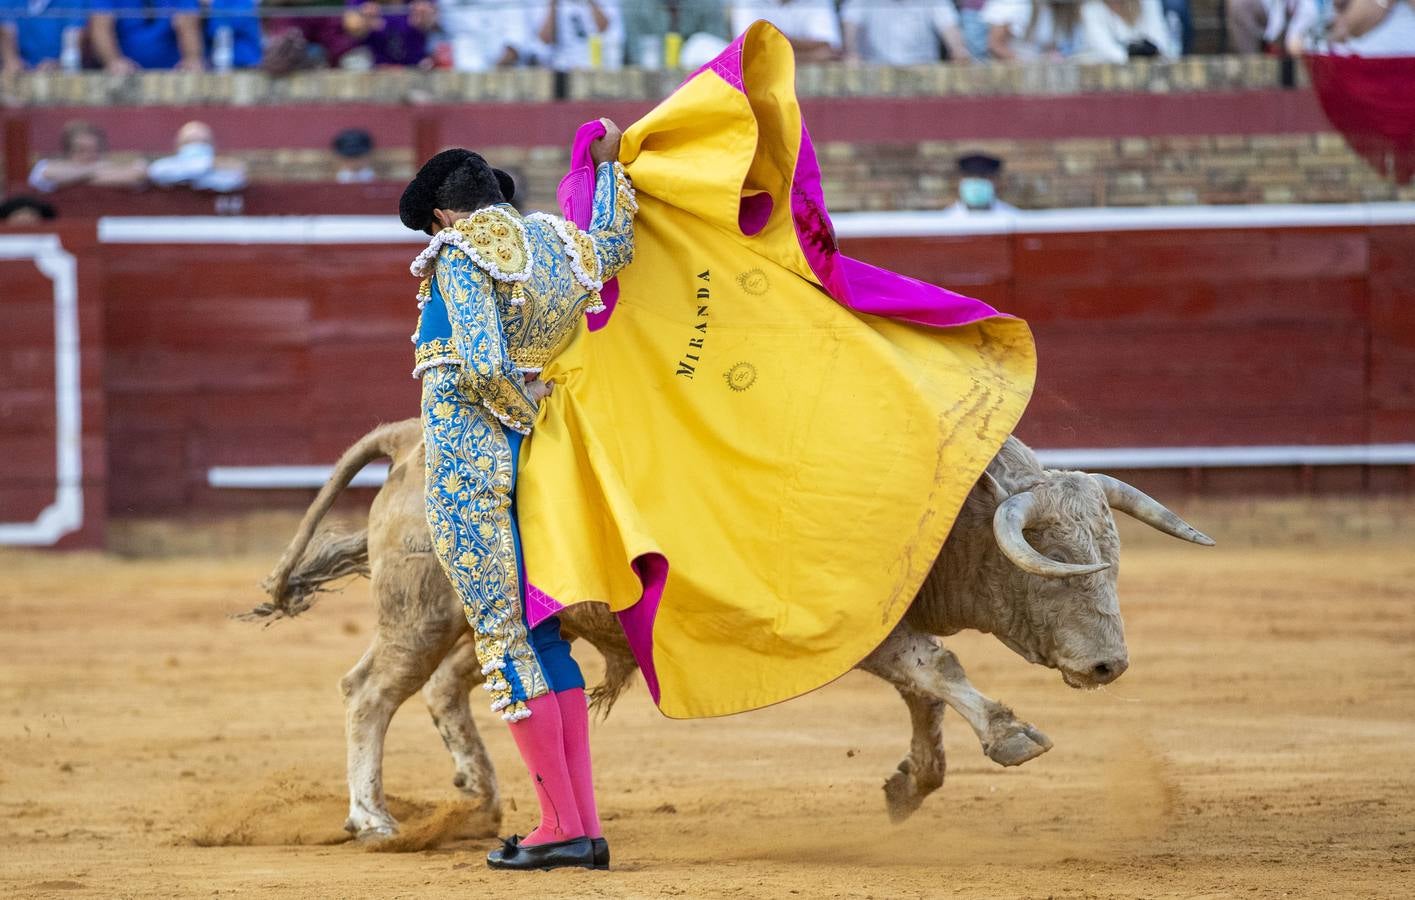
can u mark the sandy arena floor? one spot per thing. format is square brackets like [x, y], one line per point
[1260, 746]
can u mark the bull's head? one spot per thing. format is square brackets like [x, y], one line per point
[1058, 533]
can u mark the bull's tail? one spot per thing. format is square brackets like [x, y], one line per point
[619, 669]
[304, 570]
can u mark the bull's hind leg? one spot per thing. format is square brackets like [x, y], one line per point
[916, 663]
[446, 696]
[401, 658]
[921, 772]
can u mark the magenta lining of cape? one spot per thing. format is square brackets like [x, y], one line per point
[857, 285]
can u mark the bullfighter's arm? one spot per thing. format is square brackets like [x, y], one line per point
[488, 374]
[612, 221]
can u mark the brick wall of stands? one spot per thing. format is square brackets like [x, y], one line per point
[1202, 130]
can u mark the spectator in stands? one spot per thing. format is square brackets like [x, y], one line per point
[1283, 26]
[1245, 22]
[975, 30]
[232, 34]
[485, 34]
[1027, 30]
[648, 24]
[42, 34]
[977, 186]
[84, 162]
[305, 41]
[901, 32]
[1118, 30]
[167, 35]
[1374, 28]
[812, 26]
[579, 34]
[386, 39]
[354, 149]
[196, 165]
[1180, 20]
[25, 211]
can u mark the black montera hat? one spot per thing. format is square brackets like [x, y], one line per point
[419, 199]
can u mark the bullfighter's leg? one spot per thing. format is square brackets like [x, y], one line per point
[395, 665]
[921, 772]
[446, 696]
[916, 663]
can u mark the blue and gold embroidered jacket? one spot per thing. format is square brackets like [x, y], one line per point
[501, 293]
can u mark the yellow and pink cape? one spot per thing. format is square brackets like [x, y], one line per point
[757, 456]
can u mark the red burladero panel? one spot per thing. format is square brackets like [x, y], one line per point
[27, 417]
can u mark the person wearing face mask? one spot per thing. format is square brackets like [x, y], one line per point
[196, 164]
[977, 185]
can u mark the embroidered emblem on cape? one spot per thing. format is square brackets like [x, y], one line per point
[741, 376]
[754, 282]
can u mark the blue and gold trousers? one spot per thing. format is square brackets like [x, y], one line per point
[471, 484]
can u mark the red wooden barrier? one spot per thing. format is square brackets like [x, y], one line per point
[224, 354]
[36, 498]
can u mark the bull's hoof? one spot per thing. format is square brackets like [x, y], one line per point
[370, 828]
[1019, 743]
[904, 791]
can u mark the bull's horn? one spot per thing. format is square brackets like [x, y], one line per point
[1134, 502]
[993, 486]
[1015, 514]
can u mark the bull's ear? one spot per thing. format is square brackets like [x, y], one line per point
[993, 487]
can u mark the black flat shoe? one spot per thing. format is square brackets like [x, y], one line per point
[601, 852]
[576, 852]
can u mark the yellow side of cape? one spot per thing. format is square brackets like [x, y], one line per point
[798, 464]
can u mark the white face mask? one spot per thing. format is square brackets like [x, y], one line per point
[977, 193]
[197, 150]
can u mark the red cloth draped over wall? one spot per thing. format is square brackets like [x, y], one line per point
[1371, 101]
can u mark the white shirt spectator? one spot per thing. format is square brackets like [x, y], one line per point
[1106, 36]
[899, 32]
[482, 32]
[574, 29]
[802, 20]
[1394, 36]
[1289, 22]
[1033, 36]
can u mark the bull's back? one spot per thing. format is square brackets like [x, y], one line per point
[397, 523]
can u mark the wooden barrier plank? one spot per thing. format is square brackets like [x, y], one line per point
[1183, 256]
[1246, 302]
[1392, 351]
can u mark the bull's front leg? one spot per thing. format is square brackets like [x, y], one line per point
[915, 663]
[921, 772]
[446, 696]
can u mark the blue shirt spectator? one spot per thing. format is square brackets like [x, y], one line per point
[148, 34]
[240, 17]
[35, 31]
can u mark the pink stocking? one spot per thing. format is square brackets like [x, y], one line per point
[575, 724]
[540, 739]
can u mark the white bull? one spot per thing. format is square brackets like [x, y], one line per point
[1032, 559]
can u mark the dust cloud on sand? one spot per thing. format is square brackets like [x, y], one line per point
[1258, 746]
[288, 810]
